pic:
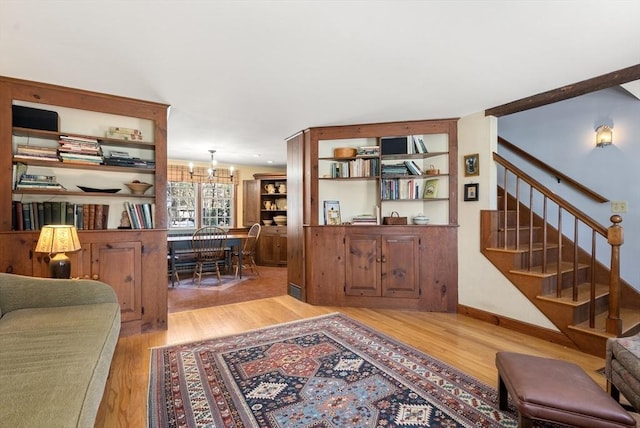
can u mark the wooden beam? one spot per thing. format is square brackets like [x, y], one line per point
[604, 81]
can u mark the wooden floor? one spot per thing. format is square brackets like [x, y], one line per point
[458, 340]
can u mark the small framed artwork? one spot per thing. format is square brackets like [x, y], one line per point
[430, 189]
[471, 192]
[471, 165]
[332, 213]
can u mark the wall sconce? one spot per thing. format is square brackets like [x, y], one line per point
[56, 240]
[604, 136]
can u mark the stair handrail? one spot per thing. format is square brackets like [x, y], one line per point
[548, 168]
[613, 235]
[593, 224]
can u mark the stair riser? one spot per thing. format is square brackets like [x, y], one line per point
[581, 313]
[524, 236]
[549, 284]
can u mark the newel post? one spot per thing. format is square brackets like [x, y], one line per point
[615, 239]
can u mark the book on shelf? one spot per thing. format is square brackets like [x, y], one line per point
[430, 189]
[413, 168]
[140, 215]
[120, 133]
[332, 213]
[418, 144]
[364, 219]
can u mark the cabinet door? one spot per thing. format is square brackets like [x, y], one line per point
[118, 264]
[265, 251]
[250, 202]
[362, 265]
[281, 250]
[400, 266]
[16, 253]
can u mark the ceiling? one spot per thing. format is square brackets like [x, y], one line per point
[241, 76]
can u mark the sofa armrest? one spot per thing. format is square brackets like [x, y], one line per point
[19, 292]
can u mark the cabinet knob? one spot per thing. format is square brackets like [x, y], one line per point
[384, 259]
[95, 277]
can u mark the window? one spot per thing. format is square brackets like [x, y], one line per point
[196, 201]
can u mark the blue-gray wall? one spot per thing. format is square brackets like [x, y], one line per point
[563, 135]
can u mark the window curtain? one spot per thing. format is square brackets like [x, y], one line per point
[180, 173]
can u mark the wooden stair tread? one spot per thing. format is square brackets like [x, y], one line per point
[523, 248]
[630, 319]
[565, 267]
[584, 294]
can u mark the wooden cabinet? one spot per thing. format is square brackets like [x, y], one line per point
[133, 262]
[374, 265]
[382, 265]
[264, 198]
[272, 246]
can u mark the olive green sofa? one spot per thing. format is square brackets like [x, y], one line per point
[57, 339]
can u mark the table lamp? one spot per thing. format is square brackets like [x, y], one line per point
[56, 240]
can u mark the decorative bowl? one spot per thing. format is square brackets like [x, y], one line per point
[138, 188]
[280, 220]
[420, 219]
[267, 222]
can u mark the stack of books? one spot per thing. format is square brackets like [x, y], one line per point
[368, 151]
[36, 152]
[364, 220]
[120, 133]
[31, 181]
[82, 150]
[119, 158]
[394, 169]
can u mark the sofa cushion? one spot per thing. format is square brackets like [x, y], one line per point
[54, 363]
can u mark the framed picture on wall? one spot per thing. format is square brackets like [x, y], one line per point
[471, 192]
[471, 165]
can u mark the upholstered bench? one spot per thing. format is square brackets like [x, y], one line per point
[555, 391]
[623, 368]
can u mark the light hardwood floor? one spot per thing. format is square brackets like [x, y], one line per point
[465, 343]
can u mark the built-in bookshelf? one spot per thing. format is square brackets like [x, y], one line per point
[404, 174]
[73, 167]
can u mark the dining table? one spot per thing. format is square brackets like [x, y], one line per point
[234, 242]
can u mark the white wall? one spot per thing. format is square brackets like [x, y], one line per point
[563, 135]
[480, 284]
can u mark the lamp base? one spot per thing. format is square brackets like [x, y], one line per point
[60, 266]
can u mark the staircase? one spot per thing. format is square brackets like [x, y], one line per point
[582, 297]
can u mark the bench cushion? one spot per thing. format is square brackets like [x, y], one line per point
[558, 391]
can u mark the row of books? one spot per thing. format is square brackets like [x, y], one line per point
[140, 215]
[394, 189]
[361, 167]
[34, 215]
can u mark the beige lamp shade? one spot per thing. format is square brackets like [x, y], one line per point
[56, 239]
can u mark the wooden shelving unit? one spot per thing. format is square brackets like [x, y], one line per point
[384, 266]
[133, 262]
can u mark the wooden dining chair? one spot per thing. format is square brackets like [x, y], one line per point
[209, 248]
[248, 251]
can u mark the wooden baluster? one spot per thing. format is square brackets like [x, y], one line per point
[544, 235]
[530, 227]
[592, 295]
[559, 258]
[615, 239]
[504, 206]
[574, 291]
[517, 213]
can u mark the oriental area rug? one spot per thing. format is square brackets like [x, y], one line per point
[328, 371]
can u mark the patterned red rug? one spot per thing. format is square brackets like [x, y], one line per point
[329, 371]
